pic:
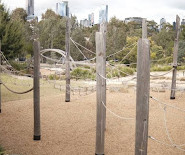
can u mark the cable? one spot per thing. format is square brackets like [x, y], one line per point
[24, 92]
[167, 104]
[83, 47]
[121, 50]
[162, 74]
[125, 118]
[79, 49]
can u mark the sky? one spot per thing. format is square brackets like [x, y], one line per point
[150, 9]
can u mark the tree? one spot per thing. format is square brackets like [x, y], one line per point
[165, 38]
[19, 14]
[181, 52]
[52, 30]
[49, 14]
[78, 36]
[116, 35]
[13, 40]
[4, 19]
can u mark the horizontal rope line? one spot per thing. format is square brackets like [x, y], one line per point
[24, 92]
[124, 118]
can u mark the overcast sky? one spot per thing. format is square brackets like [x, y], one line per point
[150, 9]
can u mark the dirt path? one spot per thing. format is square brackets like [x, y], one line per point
[69, 128]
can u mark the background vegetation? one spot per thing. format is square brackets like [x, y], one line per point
[16, 35]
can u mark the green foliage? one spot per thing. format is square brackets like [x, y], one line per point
[181, 52]
[78, 36]
[181, 68]
[131, 46]
[119, 71]
[116, 35]
[13, 43]
[2, 150]
[165, 39]
[4, 19]
[81, 73]
[160, 68]
[17, 38]
[19, 14]
[54, 77]
[52, 30]
[18, 66]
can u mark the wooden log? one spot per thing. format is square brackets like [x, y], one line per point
[101, 92]
[67, 96]
[142, 95]
[175, 56]
[0, 75]
[36, 93]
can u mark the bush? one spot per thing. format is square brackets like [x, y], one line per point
[54, 77]
[119, 71]
[80, 73]
[1, 151]
[161, 68]
[181, 68]
[18, 66]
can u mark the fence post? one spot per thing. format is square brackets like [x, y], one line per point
[67, 98]
[101, 92]
[37, 132]
[175, 56]
[142, 93]
[103, 29]
[0, 74]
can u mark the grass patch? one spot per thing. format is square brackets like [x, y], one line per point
[81, 73]
[160, 68]
[119, 71]
[181, 68]
[2, 151]
[19, 84]
[47, 88]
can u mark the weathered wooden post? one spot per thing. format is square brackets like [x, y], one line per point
[36, 93]
[103, 29]
[101, 91]
[67, 99]
[175, 56]
[0, 74]
[142, 93]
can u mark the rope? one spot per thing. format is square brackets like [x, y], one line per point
[124, 118]
[121, 50]
[163, 143]
[79, 49]
[167, 104]
[24, 92]
[128, 53]
[54, 60]
[162, 74]
[167, 131]
[83, 47]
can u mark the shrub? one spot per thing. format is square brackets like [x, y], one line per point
[80, 73]
[119, 71]
[161, 68]
[54, 77]
[18, 66]
[1, 151]
[181, 68]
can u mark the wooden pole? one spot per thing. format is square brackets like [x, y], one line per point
[67, 99]
[175, 56]
[103, 29]
[36, 94]
[142, 94]
[101, 92]
[0, 74]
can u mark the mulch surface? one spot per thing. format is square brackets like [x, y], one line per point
[70, 128]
